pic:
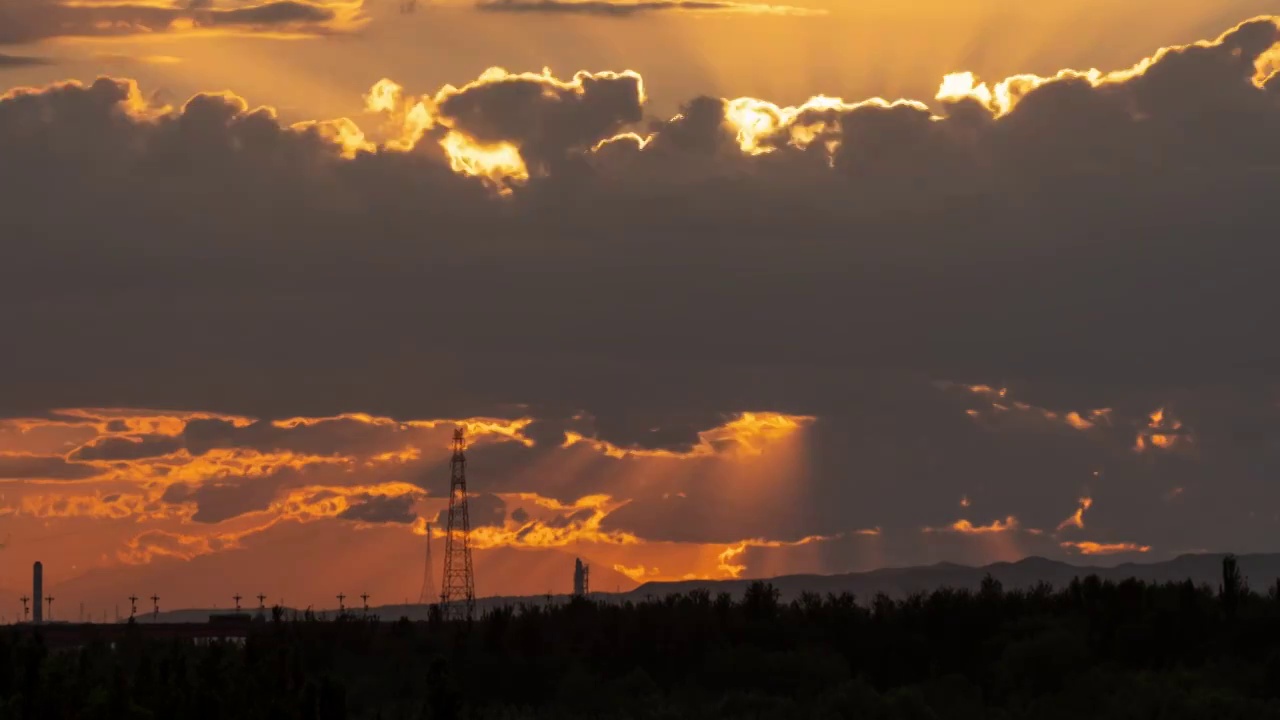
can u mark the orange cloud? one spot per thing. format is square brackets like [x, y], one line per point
[745, 436]
[637, 573]
[500, 163]
[127, 421]
[316, 502]
[477, 429]
[154, 544]
[1161, 433]
[217, 463]
[762, 127]
[112, 506]
[301, 505]
[966, 527]
[578, 522]
[1001, 98]
[727, 559]
[405, 455]
[1077, 518]
[1093, 548]
[1000, 406]
[499, 156]
[729, 563]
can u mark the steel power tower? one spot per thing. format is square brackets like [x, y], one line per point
[428, 593]
[459, 586]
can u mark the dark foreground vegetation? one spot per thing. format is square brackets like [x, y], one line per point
[1090, 650]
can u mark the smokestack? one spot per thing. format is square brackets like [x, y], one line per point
[580, 578]
[37, 591]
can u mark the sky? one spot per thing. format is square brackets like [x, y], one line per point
[717, 290]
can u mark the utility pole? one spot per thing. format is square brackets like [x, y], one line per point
[26, 612]
[155, 607]
[341, 608]
[237, 598]
[133, 606]
[365, 598]
[459, 578]
[49, 599]
[262, 601]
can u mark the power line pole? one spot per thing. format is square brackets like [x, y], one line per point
[133, 606]
[26, 612]
[459, 579]
[237, 598]
[155, 607]
[49, 599]
[428, 593]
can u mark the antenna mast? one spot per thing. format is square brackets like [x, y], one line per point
[459, 579]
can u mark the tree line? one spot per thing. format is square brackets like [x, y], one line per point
[1092, 649]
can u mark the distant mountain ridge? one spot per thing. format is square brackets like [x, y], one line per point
[1261, 570]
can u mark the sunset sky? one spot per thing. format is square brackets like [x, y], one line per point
[718, 289]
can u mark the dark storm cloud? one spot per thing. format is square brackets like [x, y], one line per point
[123, 448]
[1099, 244]
[381, 509]
[624, 9]
[546, 119]
[485, 510]
[222, 499]
[17, 466]
[25, 21]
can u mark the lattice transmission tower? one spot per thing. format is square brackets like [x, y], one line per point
[428, 594]
[458, 591]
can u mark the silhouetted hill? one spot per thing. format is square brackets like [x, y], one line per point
[1261, 570]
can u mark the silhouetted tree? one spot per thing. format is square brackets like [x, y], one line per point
[1094, 649]
[1233, 588]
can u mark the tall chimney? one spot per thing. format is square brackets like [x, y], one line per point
[37, 591]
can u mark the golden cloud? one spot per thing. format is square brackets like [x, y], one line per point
[111, 506]
[1163, 432]
[1093, 548]
[745, 436]
[637, 573]
[966, 527]
[498, 162]
[578, 522]
[1076, 519]
[999, 407]
[730, 565]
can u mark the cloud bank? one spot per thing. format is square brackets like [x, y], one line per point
[816, 338]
